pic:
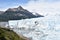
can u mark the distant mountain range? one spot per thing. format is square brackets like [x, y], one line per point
[16, 14]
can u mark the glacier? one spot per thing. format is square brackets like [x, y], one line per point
[42, 28]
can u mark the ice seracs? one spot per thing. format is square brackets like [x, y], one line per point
[46, 28]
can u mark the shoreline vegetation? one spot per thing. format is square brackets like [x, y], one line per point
[7, 34]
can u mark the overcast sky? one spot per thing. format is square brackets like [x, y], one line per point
[40, 6]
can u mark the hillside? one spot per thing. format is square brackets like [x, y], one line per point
[6, 34]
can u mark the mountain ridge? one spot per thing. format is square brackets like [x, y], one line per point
[1, 12]
[17, 14]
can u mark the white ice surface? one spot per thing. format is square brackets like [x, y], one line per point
[45, 28]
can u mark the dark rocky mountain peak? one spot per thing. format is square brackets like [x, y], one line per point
[17, 14]
[20, 8]
[16, 9]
